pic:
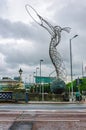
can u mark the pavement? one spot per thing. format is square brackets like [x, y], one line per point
[52, 102]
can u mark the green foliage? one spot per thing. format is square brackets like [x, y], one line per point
[68, 86]
[80, 86]
[14, 88]
[47, 88]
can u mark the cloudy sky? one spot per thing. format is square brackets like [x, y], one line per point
[23, 42]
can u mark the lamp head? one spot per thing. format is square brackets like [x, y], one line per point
[20, 71]
[75, 36]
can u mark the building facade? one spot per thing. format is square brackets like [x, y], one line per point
[8, 82]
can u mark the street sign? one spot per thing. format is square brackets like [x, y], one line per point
[42, 79]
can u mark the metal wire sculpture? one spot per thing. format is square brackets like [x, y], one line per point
[55, 32]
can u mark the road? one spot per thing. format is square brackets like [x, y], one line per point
[36, 107]
[42, 116]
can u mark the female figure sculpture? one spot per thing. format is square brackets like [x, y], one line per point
[55, 32]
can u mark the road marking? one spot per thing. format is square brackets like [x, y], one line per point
[60, 120]
[43, 110]
[39, 120]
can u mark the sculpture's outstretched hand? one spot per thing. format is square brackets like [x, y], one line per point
[40, 19]
[39, 16]
[67, 29]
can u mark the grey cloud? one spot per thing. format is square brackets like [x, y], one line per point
[14, 30]
[15, 54]
[23, 54]
[72, 14]
[19, 30]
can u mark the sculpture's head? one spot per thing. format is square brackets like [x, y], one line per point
[57, 29]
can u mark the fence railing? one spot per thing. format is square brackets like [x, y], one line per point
[24, 96]
[11, 96]
[6, 95]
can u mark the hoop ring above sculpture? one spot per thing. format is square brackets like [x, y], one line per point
[33, 14]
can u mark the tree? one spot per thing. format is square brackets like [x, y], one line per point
[58, 86]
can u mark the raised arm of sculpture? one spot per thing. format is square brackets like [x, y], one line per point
[47, 25]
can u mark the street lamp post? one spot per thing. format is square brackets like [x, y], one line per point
[30, 79]
[40, 74]
[33, 77]
[82, 71]
[36, 77]
[42, 92]
[71, 64]
[37, 72]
